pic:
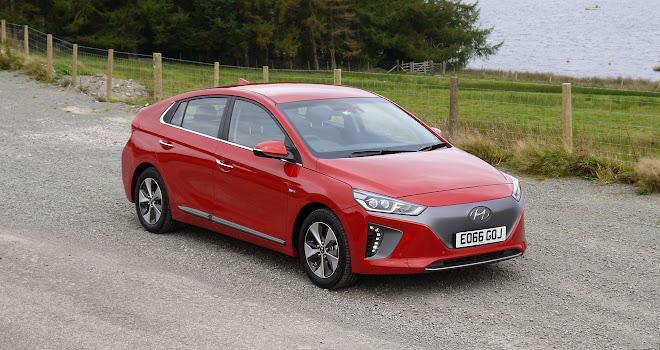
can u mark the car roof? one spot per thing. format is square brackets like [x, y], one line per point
[293, 92]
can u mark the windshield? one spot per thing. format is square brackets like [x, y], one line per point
[347, 127]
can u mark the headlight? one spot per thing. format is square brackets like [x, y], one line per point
[517, 192]
[382, 204]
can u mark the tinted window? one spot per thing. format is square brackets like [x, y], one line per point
[250, 125]
[178, 115]
[204, 115]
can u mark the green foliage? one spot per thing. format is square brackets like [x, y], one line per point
[420, 30]
[9, 60]
[295, 32]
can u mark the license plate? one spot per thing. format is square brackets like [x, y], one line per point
[479, 237]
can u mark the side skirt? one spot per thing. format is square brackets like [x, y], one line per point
[217, 220]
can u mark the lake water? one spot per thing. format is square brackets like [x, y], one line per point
[542, 35]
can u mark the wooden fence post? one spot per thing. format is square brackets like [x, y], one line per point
[444, 67]
[158, 77]
[567, 117]
[265, 74]
[26, 40]
[453, 108]
[338, 76]
[3, 30]
[432, 68]
[49, 55]
[216, 74]
[74, 66]
[108, 87]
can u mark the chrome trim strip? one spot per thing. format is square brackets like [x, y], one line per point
[162, 116]
[217, 220]
[211, 137]
[473, 264]
[162, 121]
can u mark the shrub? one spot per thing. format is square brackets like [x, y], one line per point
[8, 59]
[648, 172]
[534, 159]
[35, 70]
[12, 60]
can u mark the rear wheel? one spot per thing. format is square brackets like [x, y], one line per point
[324, 251]
[152, 203]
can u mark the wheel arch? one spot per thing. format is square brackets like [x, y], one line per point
[300, 218]
[138, 170]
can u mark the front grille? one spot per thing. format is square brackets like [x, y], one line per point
[474, 260]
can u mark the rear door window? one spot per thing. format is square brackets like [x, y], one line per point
[203, 115]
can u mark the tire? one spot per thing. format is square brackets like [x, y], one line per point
[324, 251]
[152, 204]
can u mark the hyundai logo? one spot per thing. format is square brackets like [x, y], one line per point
[479, 214]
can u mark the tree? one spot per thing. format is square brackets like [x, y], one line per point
[216, 29]
[342, 19]
[419, 30]
[316, 25]
[291, 30]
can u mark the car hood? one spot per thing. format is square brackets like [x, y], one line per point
[408, 174]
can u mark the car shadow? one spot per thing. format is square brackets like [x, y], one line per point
[450, 281]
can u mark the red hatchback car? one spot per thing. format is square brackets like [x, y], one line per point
[342, 177]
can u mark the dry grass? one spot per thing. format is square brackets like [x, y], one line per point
[648, 172]
[531, 158]
[13, 60]
[483, 147]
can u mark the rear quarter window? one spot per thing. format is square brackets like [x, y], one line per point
[177, 118]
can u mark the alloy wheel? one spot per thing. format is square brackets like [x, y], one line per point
[321, 250]
[150, 201]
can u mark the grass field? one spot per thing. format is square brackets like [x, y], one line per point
[615, 124]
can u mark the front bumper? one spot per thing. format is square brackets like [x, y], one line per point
[427, 243]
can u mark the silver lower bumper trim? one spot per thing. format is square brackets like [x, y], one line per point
[485, 261]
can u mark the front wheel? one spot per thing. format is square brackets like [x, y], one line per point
[152, 203]
[324, 251]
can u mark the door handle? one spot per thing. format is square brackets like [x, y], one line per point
[165, 144]
[226, 166]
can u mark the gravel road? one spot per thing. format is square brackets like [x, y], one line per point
[78, 271]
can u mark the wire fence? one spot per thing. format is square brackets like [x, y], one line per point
[615, 124]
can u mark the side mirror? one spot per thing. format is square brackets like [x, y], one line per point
[271, 149]
[439, 132]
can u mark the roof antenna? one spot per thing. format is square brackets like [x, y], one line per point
[242, 82]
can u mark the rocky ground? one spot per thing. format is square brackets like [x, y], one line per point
[97, 85]
[78, 271]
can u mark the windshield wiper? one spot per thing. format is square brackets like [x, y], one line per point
[432, 147]
[377, 152]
